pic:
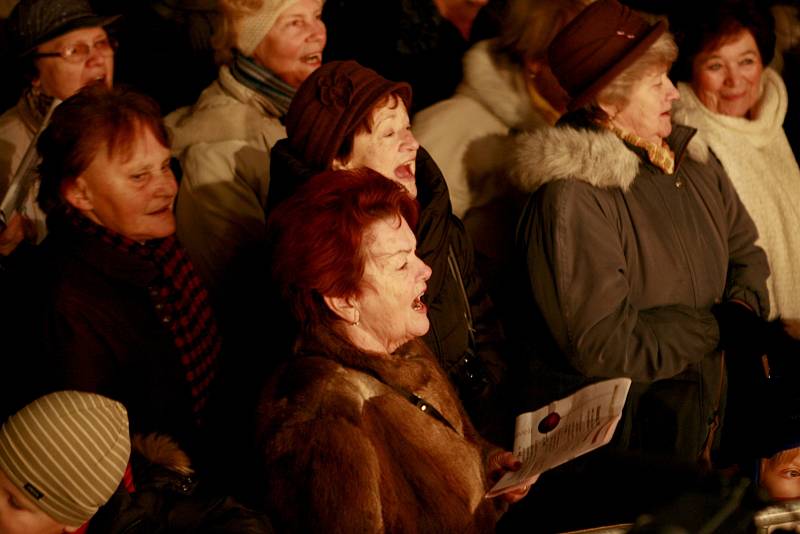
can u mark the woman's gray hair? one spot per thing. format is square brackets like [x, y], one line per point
[662, 53]
[530, 25]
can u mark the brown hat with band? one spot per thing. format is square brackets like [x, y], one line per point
[596, 46]
[330, 104]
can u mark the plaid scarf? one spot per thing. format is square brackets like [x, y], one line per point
[659, 155]
[180, 301]
[252, 75]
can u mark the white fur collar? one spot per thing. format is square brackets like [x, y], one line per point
[598, 158]
[499, 85]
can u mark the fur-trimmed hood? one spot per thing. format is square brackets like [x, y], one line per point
[499, 85]
[595, 156]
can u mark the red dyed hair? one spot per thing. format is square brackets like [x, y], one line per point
[317, 236]
[93, 118]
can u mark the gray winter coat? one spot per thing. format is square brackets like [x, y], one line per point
[624, 263]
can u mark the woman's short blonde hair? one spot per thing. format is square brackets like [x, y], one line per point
[530, 25]
[662, 54]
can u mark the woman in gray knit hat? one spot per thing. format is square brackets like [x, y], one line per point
[61, 46]
[267, 48]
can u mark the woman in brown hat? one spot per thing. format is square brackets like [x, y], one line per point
[630, 242]
[60, 46]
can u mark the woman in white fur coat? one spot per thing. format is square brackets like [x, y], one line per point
[738, 107]
[507, 88]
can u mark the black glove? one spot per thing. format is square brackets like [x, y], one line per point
[783, 353]
[741, 331]
[747, 337]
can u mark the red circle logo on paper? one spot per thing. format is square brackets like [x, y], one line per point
[549, 422]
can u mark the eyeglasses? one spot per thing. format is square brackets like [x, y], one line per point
[79, 52]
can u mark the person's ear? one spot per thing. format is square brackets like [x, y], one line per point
[337, 165]
[344, 307]
[611, 109]
[77, 194]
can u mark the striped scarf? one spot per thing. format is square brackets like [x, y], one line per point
[659, 155]
[263, 81]
[179, 300]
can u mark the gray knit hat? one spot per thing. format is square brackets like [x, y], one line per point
[252, 25]
[67, 451]
[33, 22]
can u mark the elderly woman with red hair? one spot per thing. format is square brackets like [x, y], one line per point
[361, 431]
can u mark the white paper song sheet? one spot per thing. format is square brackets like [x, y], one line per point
[564, 430]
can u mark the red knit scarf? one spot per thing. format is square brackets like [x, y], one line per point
[179, 299]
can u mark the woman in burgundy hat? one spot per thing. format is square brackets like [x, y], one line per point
[346, 116]
[641, 259]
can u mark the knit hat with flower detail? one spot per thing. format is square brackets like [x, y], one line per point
[329, 106]
[67, 452]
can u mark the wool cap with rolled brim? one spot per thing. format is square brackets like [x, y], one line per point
[67, 452]
[330, 104]
[33, 22]
[597, 46]
[252, 26]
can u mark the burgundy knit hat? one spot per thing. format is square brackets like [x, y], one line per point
[596, 46]
[330, 104]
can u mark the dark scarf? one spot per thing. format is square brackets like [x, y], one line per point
[178, 294]
[263, 81]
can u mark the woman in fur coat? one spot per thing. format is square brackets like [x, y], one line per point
[360, 431]
[346, 116]
[630, 241]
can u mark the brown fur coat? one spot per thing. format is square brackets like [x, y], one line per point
[344, 452]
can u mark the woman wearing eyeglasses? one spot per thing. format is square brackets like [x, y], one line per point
[61, 46]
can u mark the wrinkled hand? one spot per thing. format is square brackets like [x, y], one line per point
[499, 464]
[17, 229]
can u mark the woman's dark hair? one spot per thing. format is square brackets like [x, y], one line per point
[93, 118]
[317, 237]
[707, 24]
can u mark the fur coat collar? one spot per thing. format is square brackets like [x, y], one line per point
[587, 153]
[499, 85]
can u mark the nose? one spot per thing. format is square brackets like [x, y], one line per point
[409, 142]
[166, 185]
[731, 77]
[425, 271]
[318, 31]
[673, 93]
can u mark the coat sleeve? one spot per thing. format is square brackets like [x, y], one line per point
[578, 273]
[748, 268]
[324, 476]
[220, 212]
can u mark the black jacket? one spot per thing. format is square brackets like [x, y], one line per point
[166, 497]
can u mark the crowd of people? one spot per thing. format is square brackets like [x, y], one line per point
[317, 298]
